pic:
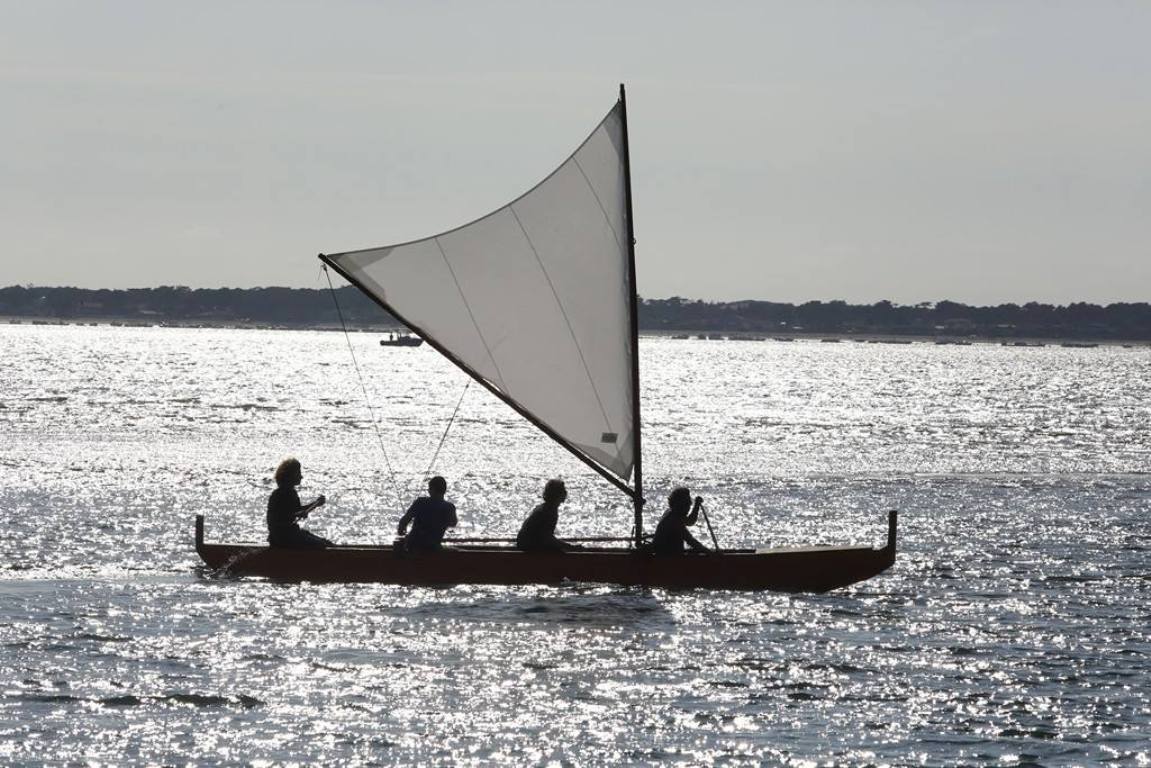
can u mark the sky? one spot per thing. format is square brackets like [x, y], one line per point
[976, 151]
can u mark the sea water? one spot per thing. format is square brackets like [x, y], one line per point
[1014, 628]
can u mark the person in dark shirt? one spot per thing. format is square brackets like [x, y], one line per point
[430, 517]
[285, 509]
[538, 533]
[671, 534]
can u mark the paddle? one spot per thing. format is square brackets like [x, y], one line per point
[708, 521]
[307, 508]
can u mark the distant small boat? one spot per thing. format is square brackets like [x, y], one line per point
[830, 341]
[1079, 344]
[401, 340]
[681, 336]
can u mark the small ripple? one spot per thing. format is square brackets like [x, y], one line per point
[728, 683]
[1029, 733]
[102, 638]
[51, 698]
[844, 668]
[963, 650]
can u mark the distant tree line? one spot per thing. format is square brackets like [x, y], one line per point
[305, 307]
[291, 307]
[1080, 320]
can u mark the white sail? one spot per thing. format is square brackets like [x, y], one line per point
[533, 299]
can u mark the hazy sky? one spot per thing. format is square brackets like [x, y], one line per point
[975, 151]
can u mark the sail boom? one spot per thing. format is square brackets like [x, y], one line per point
[414, 328]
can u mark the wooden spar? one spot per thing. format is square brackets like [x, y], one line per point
[484, 382]
[633, 290]
[449, 540]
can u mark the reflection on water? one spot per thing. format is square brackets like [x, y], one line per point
[1012, 630]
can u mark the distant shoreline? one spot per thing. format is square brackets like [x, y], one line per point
[137, 322]
[701, 336]
[309, 308]
[906, 338]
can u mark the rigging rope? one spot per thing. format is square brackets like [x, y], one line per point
[444, 437]
[363, 388]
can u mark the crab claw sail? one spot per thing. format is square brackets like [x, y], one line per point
[534, 300]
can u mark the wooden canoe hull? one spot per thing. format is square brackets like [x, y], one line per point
[816, 569]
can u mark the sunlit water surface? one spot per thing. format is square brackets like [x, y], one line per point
[1013, 629]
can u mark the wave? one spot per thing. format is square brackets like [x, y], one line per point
[242, 701]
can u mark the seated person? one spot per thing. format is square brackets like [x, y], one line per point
[671, 534]
[284, 509]
[538, 533]
[430, 516]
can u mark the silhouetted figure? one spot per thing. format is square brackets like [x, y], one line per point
[538, 533]
[671, 534]
[284, 510]
[430, 516]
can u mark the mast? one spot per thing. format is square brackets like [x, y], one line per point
[633, 289]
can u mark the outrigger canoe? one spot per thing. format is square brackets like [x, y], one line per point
[807, 569]
[538, 303]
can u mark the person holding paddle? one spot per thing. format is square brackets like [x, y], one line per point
[671, 534]
[285, 510]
